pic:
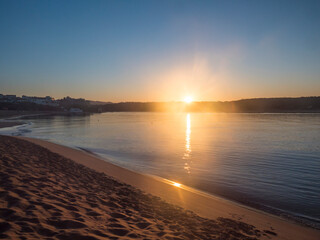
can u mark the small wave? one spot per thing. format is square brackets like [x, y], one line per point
[20, 130]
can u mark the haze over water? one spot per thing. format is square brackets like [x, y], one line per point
[268, 161]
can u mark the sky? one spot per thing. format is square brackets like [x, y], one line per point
[160, 50]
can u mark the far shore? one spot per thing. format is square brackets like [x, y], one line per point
[11, 118]
[9, 124]
[205, 205]
[12, 114]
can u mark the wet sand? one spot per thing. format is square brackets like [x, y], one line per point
[74, 195]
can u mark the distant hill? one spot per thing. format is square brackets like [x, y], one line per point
[257, 105]
[97, 102]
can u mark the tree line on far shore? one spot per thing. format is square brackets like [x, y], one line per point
[256, 105]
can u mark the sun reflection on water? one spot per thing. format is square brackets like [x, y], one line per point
[187, 151]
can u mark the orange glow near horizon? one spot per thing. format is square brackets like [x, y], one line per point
[188, 99]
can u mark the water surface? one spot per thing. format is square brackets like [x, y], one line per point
[268, 161]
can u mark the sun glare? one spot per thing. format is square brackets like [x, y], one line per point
[188, 99]
[177, 184]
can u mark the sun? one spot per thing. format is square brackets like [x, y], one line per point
[188, 99]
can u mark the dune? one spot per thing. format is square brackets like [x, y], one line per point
[49, 191]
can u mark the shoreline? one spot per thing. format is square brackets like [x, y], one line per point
[10, 119]
[205, 205]
[9, 124]
[288, 216]
[44, 195]
[293, 217]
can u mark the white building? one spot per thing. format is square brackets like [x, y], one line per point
[49, 101]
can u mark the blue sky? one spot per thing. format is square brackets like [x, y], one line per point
[160, 50]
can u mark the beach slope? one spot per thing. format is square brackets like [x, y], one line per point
[74, 195]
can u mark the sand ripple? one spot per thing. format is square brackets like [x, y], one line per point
[46, 196]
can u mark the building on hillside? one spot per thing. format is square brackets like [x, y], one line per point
[8, 98]
[49, 101]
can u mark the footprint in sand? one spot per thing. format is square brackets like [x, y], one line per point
[116, 225]
[143, 225]
[118, 215]
[4, 226]
[66, 224]
[78, 236]
[118, 231]
[93, 214]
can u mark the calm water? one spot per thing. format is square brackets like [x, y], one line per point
[268, 161]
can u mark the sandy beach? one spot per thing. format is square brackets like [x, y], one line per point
[49, 191]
